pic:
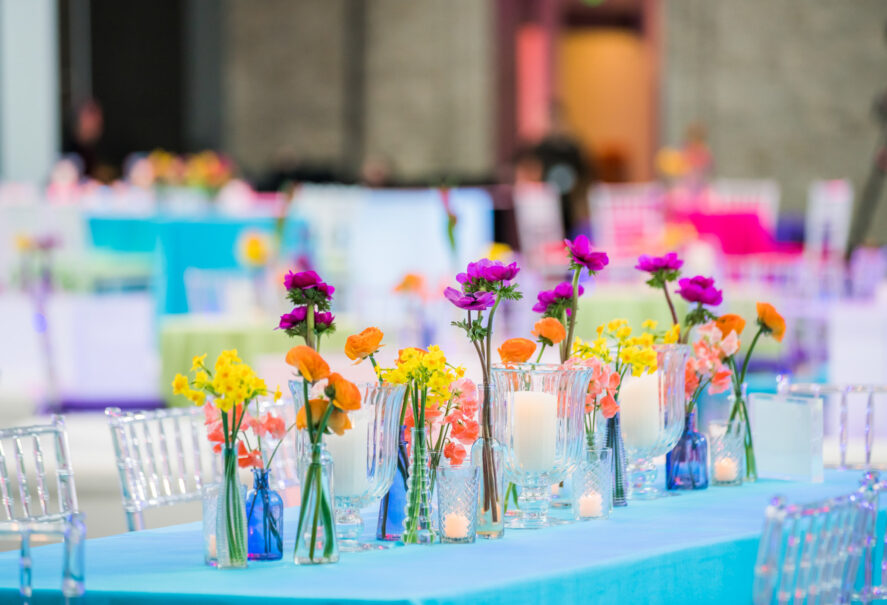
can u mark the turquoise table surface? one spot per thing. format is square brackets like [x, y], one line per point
[696, 547]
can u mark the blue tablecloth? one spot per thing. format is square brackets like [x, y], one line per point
[693, 548]
[204, 241]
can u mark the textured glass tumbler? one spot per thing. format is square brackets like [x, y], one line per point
[457, 501]
[593, 485]
[727, 447]
[210, 495]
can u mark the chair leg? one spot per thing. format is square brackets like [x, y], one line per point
[72, 572]
[135, 521]
[25, 569]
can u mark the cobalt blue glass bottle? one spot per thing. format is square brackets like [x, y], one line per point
[264, 512]
[392, 509]
[686, 466]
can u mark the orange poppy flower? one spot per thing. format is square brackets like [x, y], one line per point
[310, 364]
[318, 408]
[343, 393]
[516, 350]
[549, 330]
[412, 282]
[730, 323]
[360, 346]
[771, 320]
[339, 422]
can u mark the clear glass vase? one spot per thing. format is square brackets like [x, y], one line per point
[264, 514]
[365, 459]
[418, 528]
[592, 484]
[392, 508]
[488, 455]
[727, 440]
[686, 466]
[544, 431]
[457, 488]
[652, 411]
[231, 538]
[739, 414]
[210, 496]
[316, 531]
[613, 441]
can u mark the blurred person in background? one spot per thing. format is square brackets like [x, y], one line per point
[376, 171]
[566, 168]
[85, 140]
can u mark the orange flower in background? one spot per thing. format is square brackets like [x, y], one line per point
[549, 330]
[455, 453]
[609, 407]
[310, 364]
[516, 350]
[411, 283]
[247, 458]
[730, 323]
[343, 393]
[770, 319]
[360, 346]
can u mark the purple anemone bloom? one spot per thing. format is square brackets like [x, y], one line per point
[653, 264]
[583, 255]
[700, 289]
[475, 301]
[293, 318]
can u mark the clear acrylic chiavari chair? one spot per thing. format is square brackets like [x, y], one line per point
[870, 391]
[163, 458]
[29, 457]
[811, 553]
[284, 467]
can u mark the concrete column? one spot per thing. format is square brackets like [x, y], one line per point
[29, 89]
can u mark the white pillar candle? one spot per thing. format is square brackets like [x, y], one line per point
[639, 411]
[456, 526]
[591, 505]
[726, 470]
[534, 430]
[349, 453]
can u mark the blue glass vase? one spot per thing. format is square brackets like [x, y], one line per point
[392, 508]
[264, 512]
[686, 466]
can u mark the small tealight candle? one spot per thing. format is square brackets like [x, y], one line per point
[591, 505]
[555, 489]
[726, 470]
[211, 546]
[456, 526]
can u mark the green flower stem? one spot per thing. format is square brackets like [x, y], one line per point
[567, 346]
[542, 350]
[674, 315]
[309, 330]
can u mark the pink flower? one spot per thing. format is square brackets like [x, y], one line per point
[247, 458]
[455, 452]
[609, 407]
[720, 381]
[730, 345]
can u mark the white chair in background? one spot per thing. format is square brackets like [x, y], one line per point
[30, 515]
[844, 392]
[163, 458]
[811, 553]
[628, 219]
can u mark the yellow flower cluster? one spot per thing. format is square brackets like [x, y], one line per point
[230, 382]
[425, 369]
[632, 353]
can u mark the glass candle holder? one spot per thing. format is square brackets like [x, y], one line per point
[592, 495]
[727, 447]
[457, 501]
[543, 432]
[652, 411]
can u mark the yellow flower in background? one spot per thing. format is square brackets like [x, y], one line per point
[23, 243]
[197, 362]
[649, 324]
[179, 384]
[673, 335]
[254, 248]
[499, 251]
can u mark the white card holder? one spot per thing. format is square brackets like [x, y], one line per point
[787, 433]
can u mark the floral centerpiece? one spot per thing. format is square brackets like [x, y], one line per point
[311, 317]
[231, 387]
[325, 410]
[432, 411]
[484, 285]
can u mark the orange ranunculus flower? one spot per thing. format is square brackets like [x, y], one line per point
[360, 346]
[318, 407]
[310, 364]
[411, 282]
[339, 422]
[771, 320]
[516, 350]
[730, 323]
[549, 330]
[343, 393]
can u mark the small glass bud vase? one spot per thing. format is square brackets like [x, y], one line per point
[264, 519]
[417, 527]
[457, 488]
[686, 466]
[317, 543]
[592, 496]
[487, 453]
[727, 444]
[210, 497]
